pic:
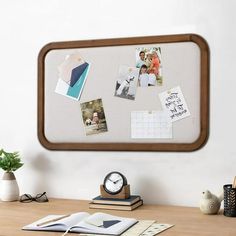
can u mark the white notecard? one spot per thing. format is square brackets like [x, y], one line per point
[150, 124]
[155, 229]
[174, 103]
[138, 228]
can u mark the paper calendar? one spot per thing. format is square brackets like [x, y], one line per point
[150, 124]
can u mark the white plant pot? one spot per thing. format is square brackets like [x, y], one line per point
[9, 187]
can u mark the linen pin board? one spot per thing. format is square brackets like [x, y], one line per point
[127, 94]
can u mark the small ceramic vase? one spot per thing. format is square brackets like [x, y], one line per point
[9, 188]
[210, 203]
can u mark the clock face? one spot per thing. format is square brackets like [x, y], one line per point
[114, 182]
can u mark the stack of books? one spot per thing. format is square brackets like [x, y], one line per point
[127, 204]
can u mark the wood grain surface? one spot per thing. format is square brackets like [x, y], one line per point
[188, 221]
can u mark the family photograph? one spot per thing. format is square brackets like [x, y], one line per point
[148, 61]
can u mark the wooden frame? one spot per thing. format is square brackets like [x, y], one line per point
[204, 94]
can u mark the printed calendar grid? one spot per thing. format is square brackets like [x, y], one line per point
[150, 124]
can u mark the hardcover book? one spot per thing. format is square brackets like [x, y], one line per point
[116, 207]
[127, 202]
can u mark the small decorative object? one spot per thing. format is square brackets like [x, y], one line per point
[230, 199]
[9, 162]
[115, 186]
[210, 203]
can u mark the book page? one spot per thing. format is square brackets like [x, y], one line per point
[59, 225]
[102, 223]
[74, 219]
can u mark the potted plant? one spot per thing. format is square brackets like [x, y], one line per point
[9, 162]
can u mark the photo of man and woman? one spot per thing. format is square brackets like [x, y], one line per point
[148, 61]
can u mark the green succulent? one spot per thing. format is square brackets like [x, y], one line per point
[10, 161]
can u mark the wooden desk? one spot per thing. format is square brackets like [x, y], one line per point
[188, 221]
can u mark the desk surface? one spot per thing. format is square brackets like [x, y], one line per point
[188, 221]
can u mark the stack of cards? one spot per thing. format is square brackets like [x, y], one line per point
[72, 76]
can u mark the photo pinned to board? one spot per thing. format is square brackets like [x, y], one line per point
[93, 117]
[73, 72]
[126, 84]
[174, 103]
[149, 63]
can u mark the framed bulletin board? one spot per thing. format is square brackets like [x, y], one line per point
[126, 94]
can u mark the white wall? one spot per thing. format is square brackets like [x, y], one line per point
[164, 178]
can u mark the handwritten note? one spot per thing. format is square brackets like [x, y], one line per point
[174, 103]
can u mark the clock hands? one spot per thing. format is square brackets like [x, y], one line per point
[114, 182]
[117, 181]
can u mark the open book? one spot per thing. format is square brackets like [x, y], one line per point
[82, 222]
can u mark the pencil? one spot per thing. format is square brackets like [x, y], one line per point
[53, 220]
[234, 183]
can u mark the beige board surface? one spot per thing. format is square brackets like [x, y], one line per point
[63, 119]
